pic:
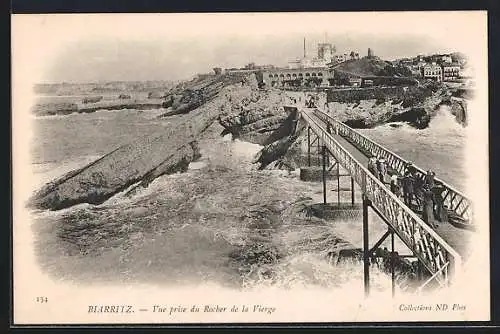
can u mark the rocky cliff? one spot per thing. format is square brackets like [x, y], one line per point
[414, 105]
[138, 163]
[257, 118]
[135, 163]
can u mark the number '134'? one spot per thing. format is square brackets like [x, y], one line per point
[42, 299]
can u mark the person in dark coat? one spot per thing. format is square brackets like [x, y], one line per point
[411, 168]
[428, 206]
[429, 178]
[372, 166]
[382, 169]
[440, 212]
[328, 128]
[395, 188]
[408, 188]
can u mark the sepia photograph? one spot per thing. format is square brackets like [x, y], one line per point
[250, 168]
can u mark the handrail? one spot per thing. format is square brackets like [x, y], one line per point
[420, 288]
[454, 199]
[425, 243]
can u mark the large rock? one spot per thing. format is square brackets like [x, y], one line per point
[191, 95]
[139, 162]
[63, 108]
[415, 106]
[459, 110]
[259, 126]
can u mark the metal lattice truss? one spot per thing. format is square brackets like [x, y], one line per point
[434, 253]
[452, 198]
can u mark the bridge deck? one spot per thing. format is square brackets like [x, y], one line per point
[457, 238]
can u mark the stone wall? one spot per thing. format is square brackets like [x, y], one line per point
[356, 94]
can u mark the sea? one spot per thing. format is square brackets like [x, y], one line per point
[222, 222]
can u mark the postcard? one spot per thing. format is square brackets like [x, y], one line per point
[223, 168]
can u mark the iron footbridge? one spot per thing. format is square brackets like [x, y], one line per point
[440, 251]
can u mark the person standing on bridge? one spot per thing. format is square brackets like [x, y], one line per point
[408, 185]
[410, 168]
[328, 128]
[372, 166]
[440, 212]
[428, 207]
[395, 188]
[382, 169]
[429, 178]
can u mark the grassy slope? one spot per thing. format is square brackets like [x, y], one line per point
[362, 67]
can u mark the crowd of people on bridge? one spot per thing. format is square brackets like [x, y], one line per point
[311, 101]
[419, 194]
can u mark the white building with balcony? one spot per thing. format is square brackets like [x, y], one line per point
[432, 71]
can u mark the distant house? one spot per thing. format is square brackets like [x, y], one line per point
[367, 83]
[446, 59]
[421, 64]
[286, 77]
[355, 82]
[354, 55]
[340, 58]
[451, 72]
[433, 72]
[415, 70]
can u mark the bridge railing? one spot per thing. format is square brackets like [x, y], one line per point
[434, 253]
[452, 198]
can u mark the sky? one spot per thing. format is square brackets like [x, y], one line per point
[113, 47]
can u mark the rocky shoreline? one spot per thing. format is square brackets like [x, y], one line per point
[67, 108]
[240, 108]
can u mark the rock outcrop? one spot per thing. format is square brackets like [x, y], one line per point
[91, 99]
[416, 107]
[65, 108]
[138, 163]
[459, 110]
[188, 96]
[54, 108]
[259, 118]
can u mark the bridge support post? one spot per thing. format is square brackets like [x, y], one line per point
[324, 175]
[338, 183]
[319, 153]
[366, 249]
[352, 191]
[309, 146]
[393, 256]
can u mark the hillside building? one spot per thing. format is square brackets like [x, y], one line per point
[324, 57]
[326, 51]
[446, 59]
[370, 53]
[312, 77]
[451, 72]
[432, 71]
